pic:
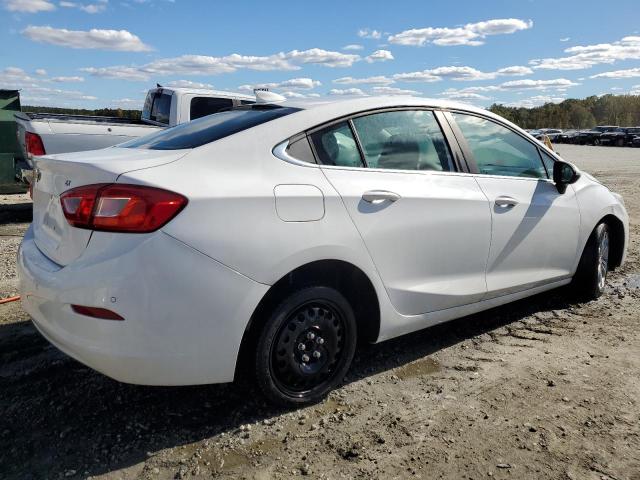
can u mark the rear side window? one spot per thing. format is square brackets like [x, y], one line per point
[208, 129]
[498, 150]
[203, 106]
[335, 145]
[403, 140]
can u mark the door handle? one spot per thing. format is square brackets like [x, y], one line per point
[506, 201]
[373, 196]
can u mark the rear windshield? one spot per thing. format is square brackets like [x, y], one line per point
[208, 129]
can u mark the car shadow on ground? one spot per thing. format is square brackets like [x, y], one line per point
[58, 415]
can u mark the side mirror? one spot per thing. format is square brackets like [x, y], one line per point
[564, 174]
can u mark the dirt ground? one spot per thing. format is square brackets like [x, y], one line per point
[541, 389]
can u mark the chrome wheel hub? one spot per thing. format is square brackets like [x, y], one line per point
[603, 259]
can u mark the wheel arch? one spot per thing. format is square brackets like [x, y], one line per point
[346, 277]
[617, 243]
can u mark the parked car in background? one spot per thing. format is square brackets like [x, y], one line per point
[552, 133]
[635, 141]
[621, 137]
[568, 136]
[303, 232]
[49, 133]
[592, 137]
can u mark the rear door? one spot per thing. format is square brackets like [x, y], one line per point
[426, 225]
[535, 229]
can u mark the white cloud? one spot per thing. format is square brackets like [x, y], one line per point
[528, 84]
[323, 57]
[535, 101]
[118, 73]
[377, 80]
[464, 96]
[379, 56]
[16, 78]
[189, 84]
[459, 73]
[72, 79]
[586, 56]
[472, 34]
[515, 71]
[28, 6]
[92, 8]
[629, 73]
[127, 103]
[207, 65]
[118, 40]
[462, 73]
[393, 91]
[635, 90]
[352, 46]
[41, 72]
[347, 91]
[469, 93]
[371, 34]
[294, 83]
[565, 39]
[53, 95]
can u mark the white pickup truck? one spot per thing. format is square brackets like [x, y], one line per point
[47, 133]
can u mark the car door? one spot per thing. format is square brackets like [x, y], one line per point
[426, 226]
[535, 229]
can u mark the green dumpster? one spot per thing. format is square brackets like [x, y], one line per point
[10, 153]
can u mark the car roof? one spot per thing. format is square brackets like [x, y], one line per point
[317, 111]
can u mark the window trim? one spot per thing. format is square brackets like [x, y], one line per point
[468, 153]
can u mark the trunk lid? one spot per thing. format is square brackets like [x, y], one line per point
[55, 174]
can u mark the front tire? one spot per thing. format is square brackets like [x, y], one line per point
[306, 346]
[591, 277]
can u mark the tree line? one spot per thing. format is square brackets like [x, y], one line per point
[621, 110]
[101, 112]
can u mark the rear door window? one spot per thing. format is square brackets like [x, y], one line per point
[203, 106]
[403, 140]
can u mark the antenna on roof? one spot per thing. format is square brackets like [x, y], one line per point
[263, 95]
[158, 85]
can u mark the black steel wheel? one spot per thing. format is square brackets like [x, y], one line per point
[306, 346]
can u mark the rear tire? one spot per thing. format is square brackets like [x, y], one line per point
[591, 276]
[306, 346]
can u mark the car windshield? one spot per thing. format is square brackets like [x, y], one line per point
[209, 129]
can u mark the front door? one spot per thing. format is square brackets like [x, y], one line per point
[535, 229]
[426, 227]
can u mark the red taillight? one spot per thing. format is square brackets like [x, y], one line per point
[33, 144]
[116, 207]
[96, 312]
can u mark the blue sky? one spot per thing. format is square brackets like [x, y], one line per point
[97, 53]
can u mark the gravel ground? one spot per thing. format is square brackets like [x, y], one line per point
[543, 389]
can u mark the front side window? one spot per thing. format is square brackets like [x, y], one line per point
[335, 145]
[548, 163]
[403, 140]
[498, 150]
[203, 106]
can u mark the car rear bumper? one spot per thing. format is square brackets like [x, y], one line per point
[184, 313]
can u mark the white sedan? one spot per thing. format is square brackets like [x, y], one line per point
[277, 235]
